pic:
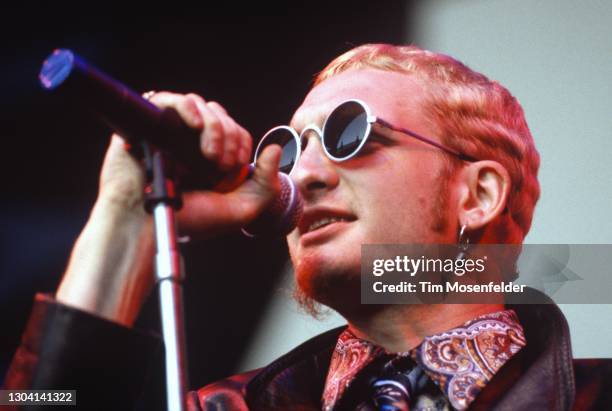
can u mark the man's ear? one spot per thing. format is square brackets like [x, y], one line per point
[483, 193]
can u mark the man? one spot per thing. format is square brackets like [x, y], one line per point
[453, 162]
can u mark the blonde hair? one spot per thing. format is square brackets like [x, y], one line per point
[470, 113]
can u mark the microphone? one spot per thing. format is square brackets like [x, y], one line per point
[137, 120]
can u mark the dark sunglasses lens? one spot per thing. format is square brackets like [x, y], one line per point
[345, 128]
[286, 140]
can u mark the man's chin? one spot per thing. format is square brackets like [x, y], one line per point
[332, 287]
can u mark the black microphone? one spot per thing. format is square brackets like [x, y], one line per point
[138, 120]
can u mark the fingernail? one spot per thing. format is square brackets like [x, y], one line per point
[210, 148]
[197, 119]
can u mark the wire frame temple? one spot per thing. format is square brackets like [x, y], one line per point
[425, 140]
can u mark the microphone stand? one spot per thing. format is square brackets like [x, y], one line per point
[163, 199]
[134, 118]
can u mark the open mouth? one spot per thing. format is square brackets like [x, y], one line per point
[324, 222]
[316, 219]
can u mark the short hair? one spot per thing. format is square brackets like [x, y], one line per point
[468, 112]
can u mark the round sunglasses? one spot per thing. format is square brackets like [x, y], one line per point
[345, 131]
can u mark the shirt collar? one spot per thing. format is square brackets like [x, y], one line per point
[461, 361]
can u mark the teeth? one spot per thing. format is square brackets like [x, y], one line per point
[324, 221]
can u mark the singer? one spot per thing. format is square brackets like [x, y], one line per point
[393, 144]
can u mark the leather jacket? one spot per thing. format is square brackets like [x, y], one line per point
[61, 349]
[542, 376]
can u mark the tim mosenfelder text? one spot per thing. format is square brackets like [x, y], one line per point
[458, 267]
[448, 287]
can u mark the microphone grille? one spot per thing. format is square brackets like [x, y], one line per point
[283, 214]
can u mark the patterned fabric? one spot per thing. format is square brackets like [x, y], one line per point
[350, 356]
[461, 361]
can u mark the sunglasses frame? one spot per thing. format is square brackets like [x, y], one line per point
[370, 119]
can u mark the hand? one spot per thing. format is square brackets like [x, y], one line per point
[110, 271]
[229, 145]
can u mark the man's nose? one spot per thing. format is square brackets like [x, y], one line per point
[314, 173]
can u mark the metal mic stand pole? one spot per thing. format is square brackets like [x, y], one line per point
[162, 200]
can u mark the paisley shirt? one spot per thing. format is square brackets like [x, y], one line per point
[460, 361]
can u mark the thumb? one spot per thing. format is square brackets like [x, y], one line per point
[212, 212]
[265, 175]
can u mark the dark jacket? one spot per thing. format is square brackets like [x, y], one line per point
[542, 376]
[61, 349]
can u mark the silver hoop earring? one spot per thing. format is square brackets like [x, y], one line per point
[463, 243]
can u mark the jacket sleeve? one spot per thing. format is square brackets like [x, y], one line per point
[66, 348]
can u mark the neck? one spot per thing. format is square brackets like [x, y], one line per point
[399, 328]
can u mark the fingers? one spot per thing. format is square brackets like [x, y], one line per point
[266, 168]
[253, 197]
[212, 141]
[185, 105]
[222, 140]
[209, 213]
[229, 138]
[231, 142]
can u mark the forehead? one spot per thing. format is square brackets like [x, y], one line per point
[391, 95]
